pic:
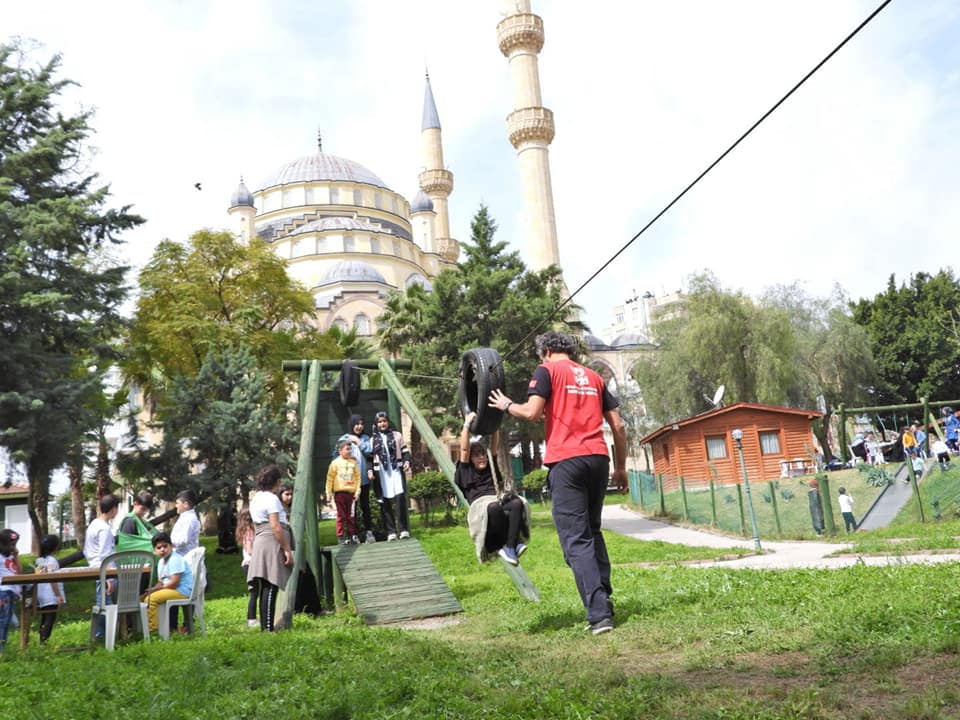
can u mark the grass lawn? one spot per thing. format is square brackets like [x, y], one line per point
[862, 642]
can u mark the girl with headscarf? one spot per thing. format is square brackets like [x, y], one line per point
[391, 459]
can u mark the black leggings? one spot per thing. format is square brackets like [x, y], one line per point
[503, 523]
[268, 603]
[252, 597]
[47, 618]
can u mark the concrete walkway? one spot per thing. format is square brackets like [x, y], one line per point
[774, 555]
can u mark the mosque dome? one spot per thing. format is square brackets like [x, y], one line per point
[322, 167]
[628, 340]
[421, 203]
[241, 196]
[594, 343]
[352, 271]
[418, 279]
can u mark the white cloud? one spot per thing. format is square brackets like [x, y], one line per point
[853, 179]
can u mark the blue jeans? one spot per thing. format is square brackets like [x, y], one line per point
[111, 600]
[7, 600]
[577, 487]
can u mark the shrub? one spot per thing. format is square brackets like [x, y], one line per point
[877, 476]
[431, 489]
[535, 479]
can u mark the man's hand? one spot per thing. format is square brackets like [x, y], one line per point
[498, 400]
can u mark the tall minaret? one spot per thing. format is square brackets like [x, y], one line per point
[436, 181]
[530, 129]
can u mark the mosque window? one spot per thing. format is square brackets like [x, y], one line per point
[340, 324]
[349, 244]
[396, 210]
[396, 248]
[358, 197]
[378, 200]
[334, 196]
[322, 245]
[619, 317]
[289, 198]
[375, 245]
[302, 247]
[361, 323]
[308, 196]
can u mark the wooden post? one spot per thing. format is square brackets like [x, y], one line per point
[304, 532]
[743, 520]
[773, 499]
[842, 436]
[713, 502]
[923, 423]
[916, 489]
[826, 504]
[663, 501]
[683, 497]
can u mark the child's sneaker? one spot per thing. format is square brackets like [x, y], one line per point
[371, 538]
[601, 626]
[509, 555]
[521, 549]
[391, 537]
[404, 535]
[253, 623]
[341, 541]
[354, 540]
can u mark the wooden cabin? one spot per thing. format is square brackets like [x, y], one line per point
[777, 442]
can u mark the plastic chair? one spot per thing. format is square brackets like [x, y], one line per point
[130, 565]
[193, 605]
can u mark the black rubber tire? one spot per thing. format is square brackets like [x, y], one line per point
[349, 383]
[481, 372]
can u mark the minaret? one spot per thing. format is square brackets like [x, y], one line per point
[436, 181]
[530, 129]
[243, 211]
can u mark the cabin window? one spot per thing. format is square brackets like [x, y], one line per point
[769, 442]
[716, 447]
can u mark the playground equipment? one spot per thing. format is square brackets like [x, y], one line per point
[323, 415]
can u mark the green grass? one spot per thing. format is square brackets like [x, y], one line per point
[862, 642]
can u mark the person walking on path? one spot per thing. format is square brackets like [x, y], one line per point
[846, 509]
[574, 401]
[816, 508]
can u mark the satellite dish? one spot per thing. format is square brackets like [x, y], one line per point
[718, 397]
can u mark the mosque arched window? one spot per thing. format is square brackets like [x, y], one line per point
[340, 324]
[361, 323]
[349, 245]
[358, 197]
[334, 196]
[375, 245]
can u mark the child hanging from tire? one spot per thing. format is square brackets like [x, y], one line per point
[499, 521]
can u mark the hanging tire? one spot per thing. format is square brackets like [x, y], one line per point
[481, 372]
[349, 383]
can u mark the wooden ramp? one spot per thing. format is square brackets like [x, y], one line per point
[392, 582]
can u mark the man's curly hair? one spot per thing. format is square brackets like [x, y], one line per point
[556, 342]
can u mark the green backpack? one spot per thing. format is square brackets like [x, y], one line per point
[140, 541]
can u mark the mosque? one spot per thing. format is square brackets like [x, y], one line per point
[352, 240]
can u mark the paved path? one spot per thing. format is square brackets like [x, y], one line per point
[797, 554]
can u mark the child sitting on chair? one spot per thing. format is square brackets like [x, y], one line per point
[174, 578]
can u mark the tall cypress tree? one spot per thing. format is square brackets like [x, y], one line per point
[59, 291]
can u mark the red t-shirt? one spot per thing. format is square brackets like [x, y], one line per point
[576, 400]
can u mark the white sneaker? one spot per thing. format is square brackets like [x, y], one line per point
[253, 623]
[371, 538]
[404, 535]
[391, 537]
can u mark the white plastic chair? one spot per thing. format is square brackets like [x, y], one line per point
[193, 605]
[130, 566]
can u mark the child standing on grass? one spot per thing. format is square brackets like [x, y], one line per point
[846, 509]
[49, 595]
[245, 535]
[9, 565]
[174, 578]
[343, 482]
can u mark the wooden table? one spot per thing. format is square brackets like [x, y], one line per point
[31, 580]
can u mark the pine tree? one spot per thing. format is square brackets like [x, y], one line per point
[59, 291]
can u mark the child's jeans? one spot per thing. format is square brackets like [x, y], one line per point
[7, 600]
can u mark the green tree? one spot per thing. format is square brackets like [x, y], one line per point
[489, 300]
[59, 290]
[215, 292]
[913, 338]
[226, 431]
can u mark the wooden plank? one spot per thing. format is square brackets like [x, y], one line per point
[392, 582]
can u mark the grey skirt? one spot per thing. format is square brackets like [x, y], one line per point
[266, 560]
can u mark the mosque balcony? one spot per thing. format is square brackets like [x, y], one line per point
[530, 124]
[523, 31]
[448, 248]
[436, 182]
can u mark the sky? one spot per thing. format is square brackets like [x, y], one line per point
[852, 180]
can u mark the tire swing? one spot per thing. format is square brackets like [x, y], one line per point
[481, 372]
[349, 383]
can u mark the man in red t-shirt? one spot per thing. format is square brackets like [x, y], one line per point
[574, 402]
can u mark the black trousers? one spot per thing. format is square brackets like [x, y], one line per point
[504, 520]
[400, 522]
[577, 487]
[47, 618]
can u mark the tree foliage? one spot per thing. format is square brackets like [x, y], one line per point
[785, 349]
[60, 291]
[913, 336]
[489, 300]
[215, 292]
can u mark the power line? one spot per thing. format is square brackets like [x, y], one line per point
[700, 177]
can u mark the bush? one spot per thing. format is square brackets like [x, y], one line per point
[535, 479]
[877, 476]
[431, 489]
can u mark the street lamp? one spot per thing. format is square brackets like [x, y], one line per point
[737, 436]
